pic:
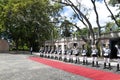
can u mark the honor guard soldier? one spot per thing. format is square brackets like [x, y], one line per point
[51, 52]
[75, 54]
[84, 55]
[59, 53]
[68, 57]
[45, 50]
[94, 55]
[40, 51]
[78, 55]
[55, 53]
[106, 54]
[65, 55]
[48, 52]
[118, 56]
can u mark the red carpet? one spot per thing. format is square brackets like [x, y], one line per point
[79, 70]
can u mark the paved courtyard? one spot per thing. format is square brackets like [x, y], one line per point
[19, 67]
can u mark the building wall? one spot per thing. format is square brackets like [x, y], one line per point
[4, 46]
[106, 38]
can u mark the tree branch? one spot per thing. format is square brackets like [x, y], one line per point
[97, 17]
[111, 13]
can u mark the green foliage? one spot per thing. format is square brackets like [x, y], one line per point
[112, 27]
[109, 26]
[66, 27]
[113, 2]
[83, 31]
[28, 21]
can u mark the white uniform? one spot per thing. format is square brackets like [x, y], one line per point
[107, 52]
[94, 56]
[59, 51]
[106, 55]
[94, 52]
[84, 54]
[118, 54]
[75, 52]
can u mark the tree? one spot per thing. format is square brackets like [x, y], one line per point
[113, 2]
[112, 15]
[29, 21]
[66, 28]
[111, 26]
[97, 17]
[79, 11]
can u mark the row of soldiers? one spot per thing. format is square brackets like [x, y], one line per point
[73, 55]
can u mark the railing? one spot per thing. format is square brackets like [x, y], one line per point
[111, 35]
[70, 39]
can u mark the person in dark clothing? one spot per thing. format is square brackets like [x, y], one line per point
[31, 49]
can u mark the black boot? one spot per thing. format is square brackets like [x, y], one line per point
[104, 65]
[92, 63]
[117, 67]
[78, 61]
[86, 62]
[97, 64]
[83, 62]
[109, 66]
[71, 61]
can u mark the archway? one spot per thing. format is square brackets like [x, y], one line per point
[113, 42]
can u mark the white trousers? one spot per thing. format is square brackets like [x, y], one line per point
[107, 60]
[85, 58]
[118, 60]
[94, 59]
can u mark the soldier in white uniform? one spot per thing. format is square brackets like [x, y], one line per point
[55, 53]
[106, 54]
[84, 55]
[41, 51]
[118, 56]
[51, 52]
[94, 55]
[59, 52]
[65, 54]
[45, 50]
[75, 54]
[69, 52]
[48, 52]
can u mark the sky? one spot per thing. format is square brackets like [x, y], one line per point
[102, 11]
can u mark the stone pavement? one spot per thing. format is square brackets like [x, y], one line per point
[19, 67]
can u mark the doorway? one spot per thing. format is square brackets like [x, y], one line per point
[113, 42]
